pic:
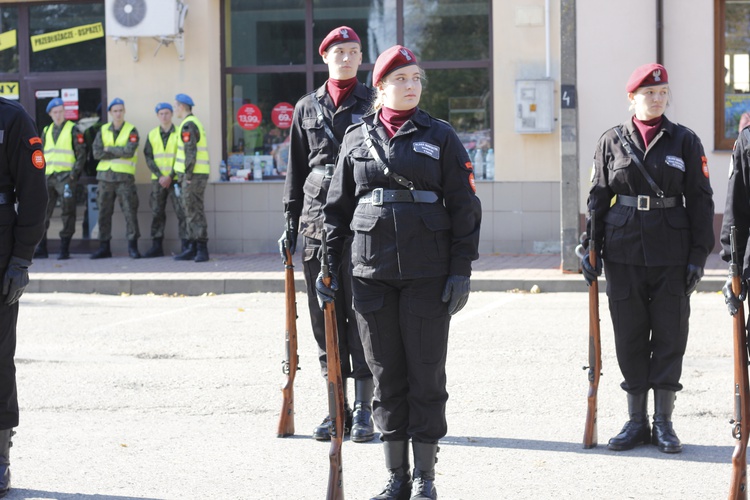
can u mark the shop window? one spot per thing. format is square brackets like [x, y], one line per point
[271, 58]
[8, 40]
[67, 37]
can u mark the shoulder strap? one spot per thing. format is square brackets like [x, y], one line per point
[322, 119]
[641, 168]
[387, 171]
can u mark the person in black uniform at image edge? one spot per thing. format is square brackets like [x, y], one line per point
[320, 120]
[22, 182]
[404, 186]
[654, 241]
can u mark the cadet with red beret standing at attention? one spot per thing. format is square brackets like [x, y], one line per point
[65, 154]
[192, 167]
[320, 120]
[404, 188]
[23, 204]
[654, 241]
[115, 147]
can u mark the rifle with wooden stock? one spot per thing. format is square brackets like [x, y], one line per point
[290, 363]
[335, 388]
[594, 368]
[741, 421]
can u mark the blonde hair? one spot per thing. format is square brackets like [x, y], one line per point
[377, 102]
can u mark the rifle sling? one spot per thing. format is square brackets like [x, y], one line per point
[379, 160]
[626, 145]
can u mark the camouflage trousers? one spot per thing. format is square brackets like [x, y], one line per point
[55, 190]
[126, 192]
[158, 204]
[192, 203]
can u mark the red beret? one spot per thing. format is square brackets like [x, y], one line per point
[646, 76]
[390, 60]
[342, 34]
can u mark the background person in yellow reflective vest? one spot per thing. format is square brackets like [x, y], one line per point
[192, 167]
[65, 153]
[115, 146]
[160, 151]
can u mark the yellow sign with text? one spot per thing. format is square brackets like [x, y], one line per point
[8, 40]
[9, 90]
[66, 37]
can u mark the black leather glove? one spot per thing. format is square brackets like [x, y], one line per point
[15, 280]
[456, 291]
[692, 277]
[732, 301]
[289, 234]
[590, 273]
[326, 294]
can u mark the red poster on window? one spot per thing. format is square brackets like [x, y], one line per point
[249, 116]
[281, 114]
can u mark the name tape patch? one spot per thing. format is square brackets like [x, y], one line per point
[675, 162]
[428, 149]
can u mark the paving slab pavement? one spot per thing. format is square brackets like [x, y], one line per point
[246, 273]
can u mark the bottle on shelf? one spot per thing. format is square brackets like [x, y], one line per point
[257, 167]
[490, 164]
[478, 164]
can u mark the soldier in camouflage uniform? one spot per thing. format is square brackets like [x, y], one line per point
[65, 152]
[160, 150]
[115, 147]
[192, 167]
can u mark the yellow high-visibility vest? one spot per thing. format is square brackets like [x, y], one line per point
[164, 156]
[120, 165]
[59, 154]
[202, 165]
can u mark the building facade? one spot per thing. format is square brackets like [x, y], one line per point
[530, 85]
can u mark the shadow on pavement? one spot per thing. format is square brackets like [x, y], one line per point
[20, 493]
[691, 452]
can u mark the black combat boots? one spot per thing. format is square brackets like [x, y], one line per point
[64, 249]
[188, 253]
[323, 431]
[663, 435]
[636, 430]
[103, 253]
[156, 250]
[423, 479]
[133, 249]
[399, 483]
[201, 251]
[40, 252]
[362, 428]
[5, 444]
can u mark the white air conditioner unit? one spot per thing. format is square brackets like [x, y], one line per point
[143, 18]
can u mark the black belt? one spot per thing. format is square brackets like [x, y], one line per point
[379, 196]
[326, 171]
[642, 202]
[7, 198]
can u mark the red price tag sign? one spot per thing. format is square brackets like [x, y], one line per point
[281, 114]
[249, 116]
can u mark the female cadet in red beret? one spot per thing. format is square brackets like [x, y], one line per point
[404, 186]
[654, 240]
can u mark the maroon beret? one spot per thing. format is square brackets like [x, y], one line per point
[646, 76]
[342, 34]
[390, 60]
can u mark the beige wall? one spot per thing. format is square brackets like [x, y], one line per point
[154, 78]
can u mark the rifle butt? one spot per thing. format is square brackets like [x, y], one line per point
[335, 478]
[738, 484]
[590, 431]
[286, 418]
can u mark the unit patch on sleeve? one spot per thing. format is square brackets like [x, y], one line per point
[428, 149]
[37, 159]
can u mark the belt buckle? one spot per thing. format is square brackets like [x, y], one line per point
[644, 202]
[377, 197]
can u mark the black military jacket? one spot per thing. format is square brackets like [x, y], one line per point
[737, 210]
[304, 190]
[675, 160]
[405, 240]
[21, 171]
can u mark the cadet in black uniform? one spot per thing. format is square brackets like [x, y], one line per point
[404, 186]
[737, 213]
[654, 241]
[320, 120]
[22, 181]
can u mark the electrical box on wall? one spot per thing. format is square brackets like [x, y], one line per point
[534, 106]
